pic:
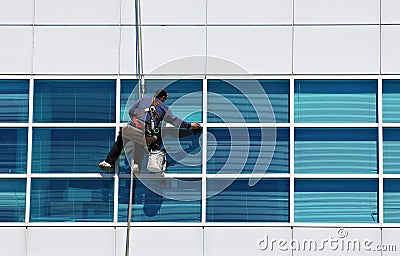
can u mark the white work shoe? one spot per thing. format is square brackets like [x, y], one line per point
[104, 165]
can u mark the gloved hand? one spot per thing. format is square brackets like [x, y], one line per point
[195, 126]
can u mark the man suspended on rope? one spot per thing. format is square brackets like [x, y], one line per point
[147, 114]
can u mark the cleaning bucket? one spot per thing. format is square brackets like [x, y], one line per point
[157, 161]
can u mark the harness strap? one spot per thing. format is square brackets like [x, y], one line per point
[153, 103]
[137, 124]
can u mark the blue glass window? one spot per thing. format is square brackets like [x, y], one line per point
[161, 200]
[13, 150]
[391, 200]
[248, 101]
[391, 150]
[185, 97]
[72, 200]
[184, 155]
[14, 101]
[74, 101]
[12, 200]
[390, 101]
[335, 101]
[266, 201]
[336, 150]
[70, 150]
[336, 200]
[238, 150]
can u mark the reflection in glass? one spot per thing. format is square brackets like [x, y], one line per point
[335, 101]
[153, 200]
[14, 101]
[336, 150]
[72, 200]
[336, 200]
[74, 101]
[267, 201]
[70, 150]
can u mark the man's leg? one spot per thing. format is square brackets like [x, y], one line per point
[115, 151]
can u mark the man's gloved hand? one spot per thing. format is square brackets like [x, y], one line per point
[195, 126]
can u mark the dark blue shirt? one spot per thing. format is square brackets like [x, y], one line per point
[163, 112]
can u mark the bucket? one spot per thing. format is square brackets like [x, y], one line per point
[157, 161]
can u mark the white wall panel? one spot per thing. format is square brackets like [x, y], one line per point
[390, 49]
[77, 12]
[239, 241]
[12, 13]
[169, 241]
[250, 12]
[76, 50]
[336, 11]
[128, 12]
[13, 241]
[336, 50]
[15, 50]
[128, 50]
[163, 46]
[335, 241]
[174, 12]
[390, 242]
[390, 11]
[258, 50]
[71, 241]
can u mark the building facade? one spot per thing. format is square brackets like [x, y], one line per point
[299, 102]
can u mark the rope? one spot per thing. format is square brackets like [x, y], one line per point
[139, 70]
[139, 51]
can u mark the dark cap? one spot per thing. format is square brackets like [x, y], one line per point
[160, 93]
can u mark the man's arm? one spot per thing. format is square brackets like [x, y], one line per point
[174, 120]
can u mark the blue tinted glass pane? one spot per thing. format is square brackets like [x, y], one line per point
[336, 150]
[161, 203]
[70, 150]
[336, 200]
[267, 201]
[391, 200]
[13, 150]
[184, 154]
[238, 150]
[72, 200]
[391, 150]
[74, 101]
[250, 101]
[14, 101]
[12, 200]
[390, 101]
[185, 97]
[335, 101]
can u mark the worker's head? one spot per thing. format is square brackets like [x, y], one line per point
[161, 95]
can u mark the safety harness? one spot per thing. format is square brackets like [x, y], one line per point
[150, 128]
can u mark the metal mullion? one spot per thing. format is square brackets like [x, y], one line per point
[117, 127]
[204, 156]
[71, 175]
[291, 152]
[74, 125]
[248, 176]
[337, 125]
[248, 125]
[14, 125]
[336, 176]
[29, 152]
[380, 152]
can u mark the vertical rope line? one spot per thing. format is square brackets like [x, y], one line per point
[139, 49]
